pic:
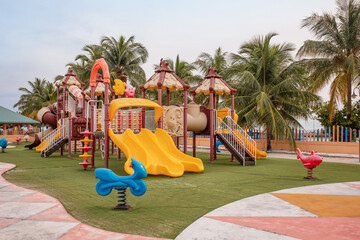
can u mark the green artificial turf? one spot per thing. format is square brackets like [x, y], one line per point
[170, 204]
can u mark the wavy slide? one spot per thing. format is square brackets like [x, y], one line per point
[157, 152]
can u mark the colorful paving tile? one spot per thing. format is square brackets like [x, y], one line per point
[330, 228]
[7, 221]
[56, 213]
[325, 205]
[38, 197]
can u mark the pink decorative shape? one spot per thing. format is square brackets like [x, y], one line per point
[129, 91]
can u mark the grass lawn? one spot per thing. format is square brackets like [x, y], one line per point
[170, 204]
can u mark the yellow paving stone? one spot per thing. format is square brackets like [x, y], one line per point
[324, 205]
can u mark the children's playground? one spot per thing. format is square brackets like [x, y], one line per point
[101, 142]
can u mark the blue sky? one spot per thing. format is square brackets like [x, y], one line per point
[38, 37]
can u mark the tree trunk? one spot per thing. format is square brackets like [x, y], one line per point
[268, 141]
[349, 96]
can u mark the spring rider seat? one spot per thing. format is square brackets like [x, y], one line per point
[109, 180]
[309, 162]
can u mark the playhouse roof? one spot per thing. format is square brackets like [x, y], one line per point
[165, 78]
[8, 116]
[100, 87]
[70, 79]
[213, 82]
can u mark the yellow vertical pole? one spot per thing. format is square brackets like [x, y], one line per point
[334, 133]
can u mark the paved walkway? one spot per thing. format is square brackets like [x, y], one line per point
[27, 214]
[328, 211]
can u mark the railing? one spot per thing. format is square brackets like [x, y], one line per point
[328, 134]
[249, 142]
[53, 138]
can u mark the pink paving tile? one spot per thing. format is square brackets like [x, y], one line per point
[334, 228]
[56, 213]
[86, 232]
[14, 188]
[7, 221]
[38, 197]
[357, 186]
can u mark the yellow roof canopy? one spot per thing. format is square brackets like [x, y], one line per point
[134, 102]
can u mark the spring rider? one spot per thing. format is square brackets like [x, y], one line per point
[108, 180]
[309, 162]
[3, 144]
[218, 143]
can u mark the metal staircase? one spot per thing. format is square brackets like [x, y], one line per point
[54, 140]
[236, 140]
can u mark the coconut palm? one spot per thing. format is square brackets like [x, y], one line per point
[271, 92]
[42, 93]
[334, 56]
[218, 61]
[84, 62]
[124, 57]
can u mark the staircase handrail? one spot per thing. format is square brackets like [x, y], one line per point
[53, 138]
[249, 143]
[235, 141]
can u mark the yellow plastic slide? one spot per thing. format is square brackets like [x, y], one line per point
[156, 152]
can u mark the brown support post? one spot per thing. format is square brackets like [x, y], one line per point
[160, 103]
[214, 134]
[143, 109]
[75, 146]
[28, 127]
[211, 126]
[177, 142]
[112, 148]
[106, 127]
[69, 136]
[4, 127]
[167, 97]
[92, 124]
[185, 119]
[194, 144]
[232, 116]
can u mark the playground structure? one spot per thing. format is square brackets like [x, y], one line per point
[125, 122]
[310, 162]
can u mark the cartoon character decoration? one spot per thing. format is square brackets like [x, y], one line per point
[173, 122]
[119, 87]
[129, 91]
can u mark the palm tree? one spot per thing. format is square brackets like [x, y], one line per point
[218, 61]
[124, 57]
[42, 93]
[184, 71]
[271, 92]
[335, 55]
[84, 62]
